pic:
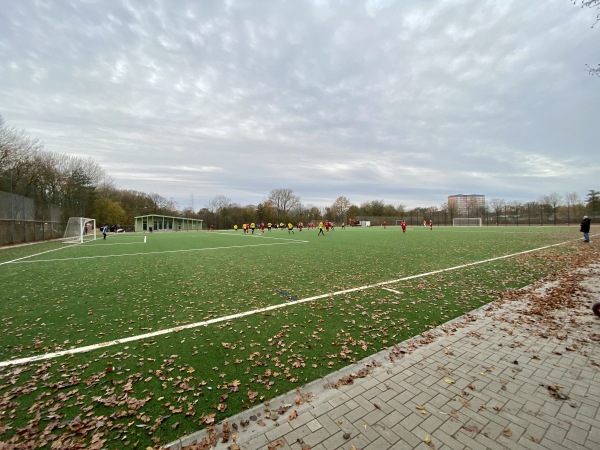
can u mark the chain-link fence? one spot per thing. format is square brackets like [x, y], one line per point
[528, 215]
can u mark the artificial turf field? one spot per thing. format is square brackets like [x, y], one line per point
[122, 343]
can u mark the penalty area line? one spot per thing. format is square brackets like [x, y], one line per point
[18, 261]
[89, 348]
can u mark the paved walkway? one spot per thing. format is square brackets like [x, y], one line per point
[503, 377]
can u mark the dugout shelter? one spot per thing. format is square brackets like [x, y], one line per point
[157, 222]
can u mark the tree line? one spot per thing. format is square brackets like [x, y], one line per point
[81, 187]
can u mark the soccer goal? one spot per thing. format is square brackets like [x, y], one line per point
[466, 222]
[79, 229]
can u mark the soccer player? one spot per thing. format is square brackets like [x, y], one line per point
[252, 227]
[384, 225]
[430, 224]
[290, 228]
[403, 225]
[269, 225]
[321, 229]
[262, 227]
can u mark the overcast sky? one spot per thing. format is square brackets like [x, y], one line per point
[401, 101]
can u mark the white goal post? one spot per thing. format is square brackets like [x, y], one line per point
[466, 222]
[79, 229]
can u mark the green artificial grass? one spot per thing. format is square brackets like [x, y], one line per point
[57, 297]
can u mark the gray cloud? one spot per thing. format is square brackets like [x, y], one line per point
[406, 102]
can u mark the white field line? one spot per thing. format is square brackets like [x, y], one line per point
[117, 243]
[139, 337]
[392, 290]
[36, 254]
[19, 261]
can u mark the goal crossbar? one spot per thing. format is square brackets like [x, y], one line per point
[466, 222]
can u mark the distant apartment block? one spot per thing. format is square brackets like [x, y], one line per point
[470, 205]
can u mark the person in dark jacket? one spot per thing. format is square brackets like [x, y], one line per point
[585, 228]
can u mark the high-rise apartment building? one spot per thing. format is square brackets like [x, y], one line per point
[470, 205]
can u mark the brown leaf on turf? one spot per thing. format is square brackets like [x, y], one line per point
[221, 407]
[252, 396]
[507, 432]
[208, 418]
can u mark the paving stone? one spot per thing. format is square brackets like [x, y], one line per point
[577, 434]
[570, 445]
[356, 414]
[298, 433]
[499, 398]
[334, 441]
[279, 431]
[412, 421]
[314, 425]
[316, 437]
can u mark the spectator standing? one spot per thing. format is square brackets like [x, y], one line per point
[585, 228]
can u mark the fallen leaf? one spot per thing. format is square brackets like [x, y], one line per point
[421, 409]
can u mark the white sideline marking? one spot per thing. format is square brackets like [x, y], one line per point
[18, 261]
[89, 348]
[37, 254]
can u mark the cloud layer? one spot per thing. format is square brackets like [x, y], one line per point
[401, 101]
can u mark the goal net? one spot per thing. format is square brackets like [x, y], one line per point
[466, 222]
[79, 229]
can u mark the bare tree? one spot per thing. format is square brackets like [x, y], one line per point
[159, 203]
[452, 209]
[515, 208]
[572, 199]
[216, 207]
[555, 200]
[219, 203]
[18, 153]
[284, 201]
[497, 205]
[339, 208]
[592, 4]
[550, 203]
